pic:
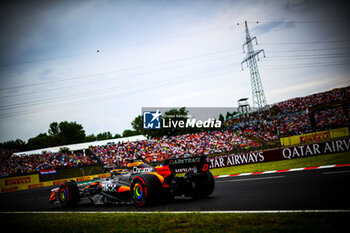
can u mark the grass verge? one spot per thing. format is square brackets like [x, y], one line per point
[320, 160]
[184, 222]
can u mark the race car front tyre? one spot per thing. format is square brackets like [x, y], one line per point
[145, 189]
[68, 194]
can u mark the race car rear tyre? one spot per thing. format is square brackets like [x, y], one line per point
[68, 194]
[145, 189]
[202, 185]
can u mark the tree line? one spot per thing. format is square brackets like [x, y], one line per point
[58, 134]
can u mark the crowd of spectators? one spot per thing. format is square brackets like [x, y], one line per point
[272, 128]
[5, 154]
[292, 117]
[330, 118]
[25, 164]
[154, 150]
[323, 98]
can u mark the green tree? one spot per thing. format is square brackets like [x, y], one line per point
[104, 136]
[64, 150]
[40, 141]
[62, 133]
[137, 124]
[17, 144]
[117, 135]
[54, 129]
[221, 118]
[90, 138]
[129, 133]
[228, 115]
[71, 132]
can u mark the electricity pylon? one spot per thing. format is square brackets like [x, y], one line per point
[259, 99]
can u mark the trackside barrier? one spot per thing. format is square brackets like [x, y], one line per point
[12, 184]
[315, 137]
[287, 153]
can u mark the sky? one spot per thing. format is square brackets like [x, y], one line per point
[99, 62]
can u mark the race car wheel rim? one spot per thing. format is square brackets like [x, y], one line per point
[64, 194]
[138, 191]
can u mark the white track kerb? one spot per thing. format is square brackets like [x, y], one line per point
[284, 170]
[182, 212]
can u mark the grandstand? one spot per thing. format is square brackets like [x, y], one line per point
[155, 150]
[18, 163]
[317, 112]
[81, 146]
[296, 116]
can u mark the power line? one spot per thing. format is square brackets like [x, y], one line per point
[296, 57]
[306, 57]
[137, 91]
[299, 22]
[110, 49]
[166, 62]
[113, 78]
[110, 89]
[270, 58]
[316, 54]
[307, 50]
[306, 65]
[323, 56]
[170, 37]
[308, 42]
[119, 95]
[119, 70]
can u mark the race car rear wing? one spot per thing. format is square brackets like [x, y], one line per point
[200, 162]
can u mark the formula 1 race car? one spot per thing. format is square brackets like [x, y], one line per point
[142, 184]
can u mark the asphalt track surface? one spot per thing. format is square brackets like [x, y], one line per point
[320, 189]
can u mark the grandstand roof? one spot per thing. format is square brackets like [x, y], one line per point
[82, 146]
